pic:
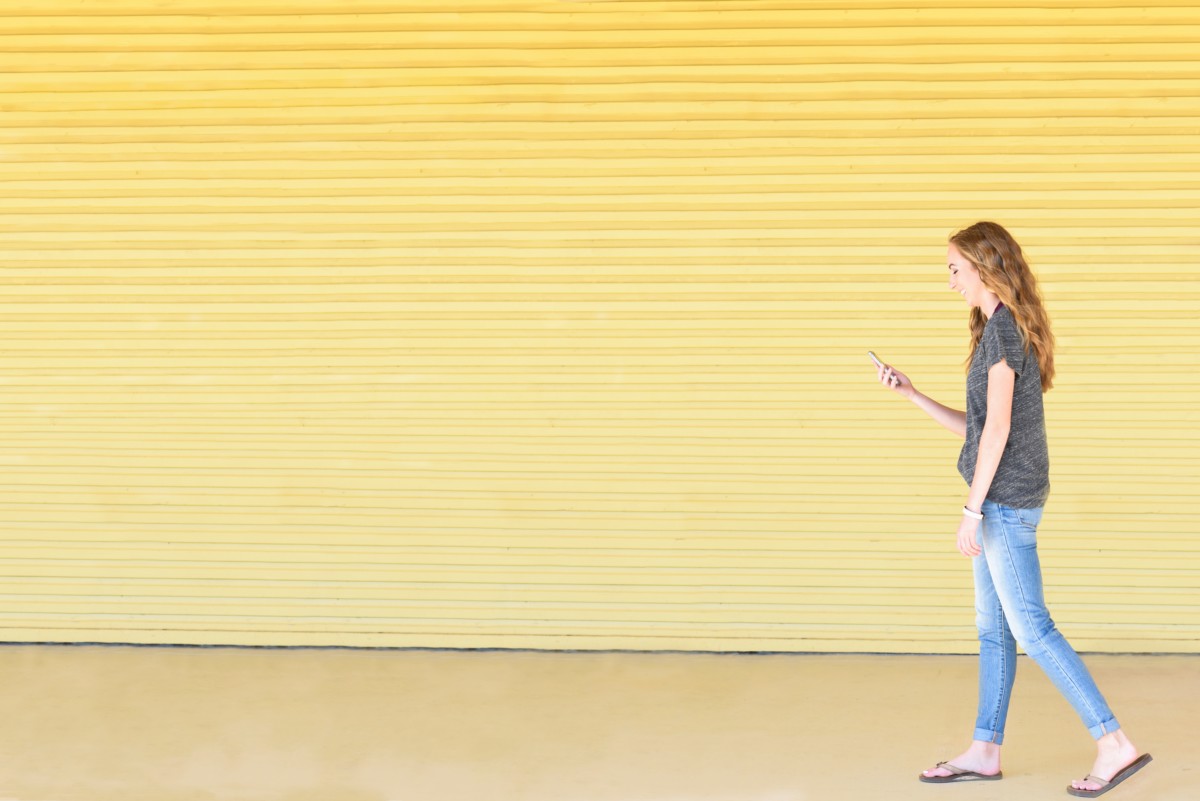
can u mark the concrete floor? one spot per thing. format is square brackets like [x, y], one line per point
[130, 723]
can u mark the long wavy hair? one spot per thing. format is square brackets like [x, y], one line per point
[1003, 270]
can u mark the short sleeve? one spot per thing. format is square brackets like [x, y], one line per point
[1002, 340]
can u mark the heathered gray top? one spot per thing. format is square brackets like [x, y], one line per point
[1023, 478]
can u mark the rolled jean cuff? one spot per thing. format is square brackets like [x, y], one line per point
[1103, 728]
[989, 736]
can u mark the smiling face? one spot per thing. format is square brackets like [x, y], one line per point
[965, 280]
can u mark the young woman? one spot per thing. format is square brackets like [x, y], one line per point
[1005, 462]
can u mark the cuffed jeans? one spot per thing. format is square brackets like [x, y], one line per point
[1009, 608]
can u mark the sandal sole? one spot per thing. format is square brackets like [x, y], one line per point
[1123, 774]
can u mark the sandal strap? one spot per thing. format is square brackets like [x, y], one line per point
[954, 769]
[1097, 779]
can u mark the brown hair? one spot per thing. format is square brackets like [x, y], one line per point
[1003, 270]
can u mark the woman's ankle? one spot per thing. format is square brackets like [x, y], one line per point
[1114, 740]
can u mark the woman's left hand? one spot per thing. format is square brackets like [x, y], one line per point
[967, 545]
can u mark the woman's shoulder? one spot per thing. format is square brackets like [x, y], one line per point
[1004, 335]
[1002, 321]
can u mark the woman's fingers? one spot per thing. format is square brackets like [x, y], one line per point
[889, 377]
[967, 545]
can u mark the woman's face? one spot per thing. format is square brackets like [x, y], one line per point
[964, 278]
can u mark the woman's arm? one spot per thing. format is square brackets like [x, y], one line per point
[899, 383]
[994, 436]
[953, 420]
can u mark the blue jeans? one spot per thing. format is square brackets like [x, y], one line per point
[1009, 608]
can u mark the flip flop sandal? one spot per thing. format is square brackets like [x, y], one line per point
[1123, 774]
[959, 775]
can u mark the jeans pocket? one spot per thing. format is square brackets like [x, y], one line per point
[1029, 518]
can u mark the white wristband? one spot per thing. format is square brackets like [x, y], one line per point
[969, 513]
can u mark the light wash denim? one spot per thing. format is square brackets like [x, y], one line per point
[1009, 608]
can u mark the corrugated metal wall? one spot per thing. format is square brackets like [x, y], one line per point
[488, 324]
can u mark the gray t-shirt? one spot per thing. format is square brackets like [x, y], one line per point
[1022, 479]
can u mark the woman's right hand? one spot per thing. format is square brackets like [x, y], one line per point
[896, 381]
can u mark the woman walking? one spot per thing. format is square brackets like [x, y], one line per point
[1005, 462]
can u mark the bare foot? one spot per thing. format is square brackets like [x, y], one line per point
[981, 757]
[1114, 751]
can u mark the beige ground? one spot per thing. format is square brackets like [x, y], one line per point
[132, 723]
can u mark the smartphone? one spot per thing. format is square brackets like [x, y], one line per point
[874, 359]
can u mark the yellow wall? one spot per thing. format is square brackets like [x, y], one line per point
[543, 325]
